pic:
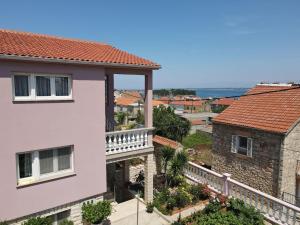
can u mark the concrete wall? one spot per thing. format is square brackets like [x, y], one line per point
[31, 126]
[260, 171]
[291, 154]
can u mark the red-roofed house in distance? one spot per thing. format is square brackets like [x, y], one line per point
[219, 105]
[257, 140]
[57, 97]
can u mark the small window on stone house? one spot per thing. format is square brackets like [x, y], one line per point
[241, 145]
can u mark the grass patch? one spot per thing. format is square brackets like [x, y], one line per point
[202, 145]
[193, 140]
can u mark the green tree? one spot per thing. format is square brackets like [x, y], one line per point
[121, 117]
[167, 155]
[170, 125]
[140, 117]
[178, 163]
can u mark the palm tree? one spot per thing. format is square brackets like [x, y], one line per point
[178, 163]
[167, 154]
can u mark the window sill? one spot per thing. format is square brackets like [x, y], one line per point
[42, 100]
[49, 178]
[241, 156]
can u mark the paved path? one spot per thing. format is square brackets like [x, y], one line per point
[126, 214]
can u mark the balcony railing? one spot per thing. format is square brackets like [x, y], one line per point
[127, 140]
[273, 209]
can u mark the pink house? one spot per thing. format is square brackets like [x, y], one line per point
[56, 99]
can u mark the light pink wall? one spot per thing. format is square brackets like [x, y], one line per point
[38, 125]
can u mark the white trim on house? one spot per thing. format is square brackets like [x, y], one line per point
[36, 176]
[236, 148]
[32, 87]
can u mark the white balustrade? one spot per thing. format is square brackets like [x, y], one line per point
[127, 140]
[272, 208]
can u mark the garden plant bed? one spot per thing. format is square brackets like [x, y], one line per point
[223, 211]
[179, 210]
[174, 200]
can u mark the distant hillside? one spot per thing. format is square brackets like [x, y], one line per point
[173, 92]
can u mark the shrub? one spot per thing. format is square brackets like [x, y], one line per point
[171, 204]
[247, 214]
[222, 199]
[149, 207]
[199, 192]
[213, 206]
[3, 223]
[38, 221]
[66, 222]
[95, 213]
[182, 198]
[218, 218]
[206, 192]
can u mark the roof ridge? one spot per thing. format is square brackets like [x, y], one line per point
[52, 36]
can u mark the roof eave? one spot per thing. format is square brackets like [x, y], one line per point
[78, 62]
[248, 127]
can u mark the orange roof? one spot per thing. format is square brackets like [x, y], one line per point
[21, 45]
[188, 103]
[166, 142]
[156, 103]
[274, 112]
[198, 122]
[125, 101]
[132, 94]
[223, 101]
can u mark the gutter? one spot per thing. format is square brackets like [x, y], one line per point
[79, 62]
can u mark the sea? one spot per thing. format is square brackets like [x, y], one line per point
[220, 92]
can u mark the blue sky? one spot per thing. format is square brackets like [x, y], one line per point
[224, 43]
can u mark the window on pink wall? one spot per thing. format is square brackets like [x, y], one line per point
[38, 87]
[44, 164]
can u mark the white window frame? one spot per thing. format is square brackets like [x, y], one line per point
[36, 176]
[32, 87]
[235, 145]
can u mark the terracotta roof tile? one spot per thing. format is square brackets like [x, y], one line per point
[188, 102]
[156, 103]
[39, 46]
[125, 101]
[223, 101]
[166, 142]
[274, 112]
[198, 122]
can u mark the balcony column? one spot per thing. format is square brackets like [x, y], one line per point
[149, 168]
[110, 102]
[148, 103]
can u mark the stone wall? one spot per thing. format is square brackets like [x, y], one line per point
[290, 156]
[74, 209]
[261, 171]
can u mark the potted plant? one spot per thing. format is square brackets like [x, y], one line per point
[96, 213]
[149, 207]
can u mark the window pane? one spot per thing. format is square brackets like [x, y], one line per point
[46, 161]
[62, 216]
[64, 158]
[21, 85]
[61, 86]
[43, 87]
[25, 165]
[243, 142]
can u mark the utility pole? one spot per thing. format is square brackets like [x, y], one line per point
[137, 208]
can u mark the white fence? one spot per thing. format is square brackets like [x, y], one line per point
[273, 209]
[127, 140]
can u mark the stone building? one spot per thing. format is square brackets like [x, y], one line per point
[257, 140]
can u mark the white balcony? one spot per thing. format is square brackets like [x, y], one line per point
[128, 140]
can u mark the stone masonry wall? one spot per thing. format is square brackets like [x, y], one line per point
[290, 156]
[261, 171]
